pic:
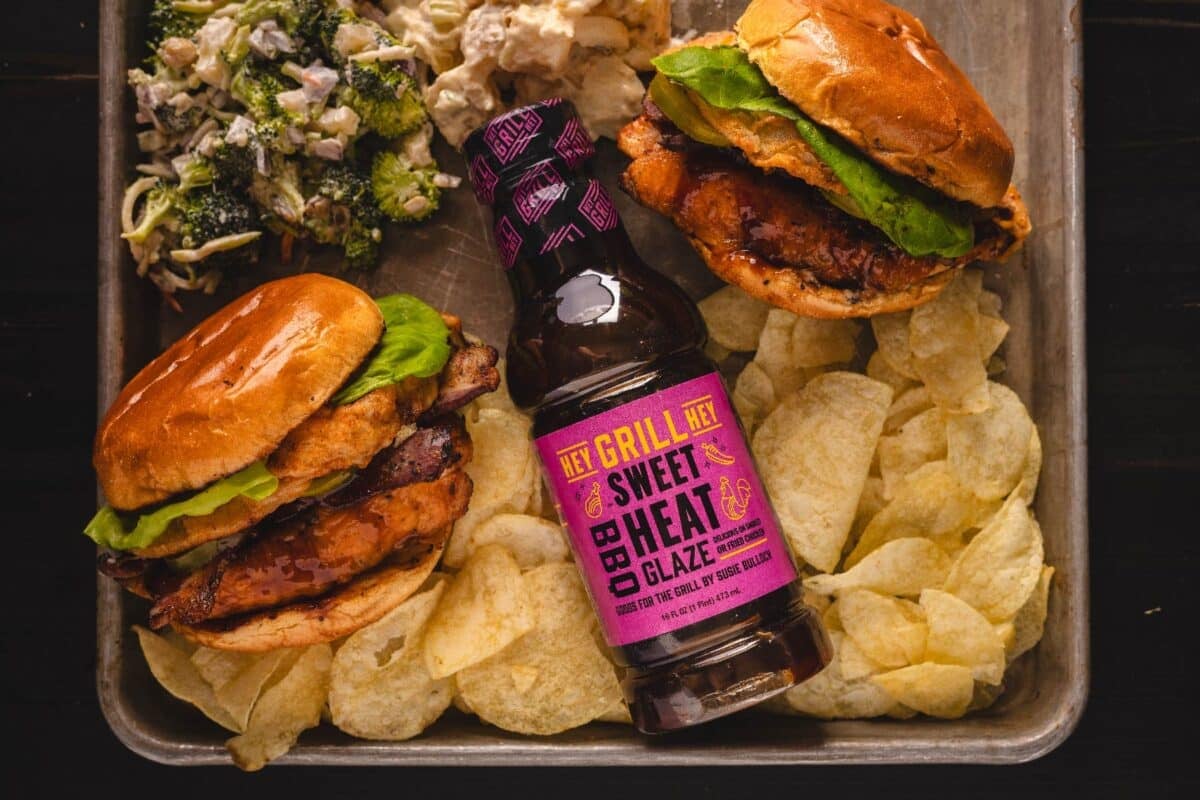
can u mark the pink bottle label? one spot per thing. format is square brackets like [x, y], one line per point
[668, 519]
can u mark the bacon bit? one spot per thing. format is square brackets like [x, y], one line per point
[169, 297]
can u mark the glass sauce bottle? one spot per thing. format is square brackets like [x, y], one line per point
[693, 582]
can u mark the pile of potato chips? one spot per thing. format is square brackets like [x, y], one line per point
[904, 492]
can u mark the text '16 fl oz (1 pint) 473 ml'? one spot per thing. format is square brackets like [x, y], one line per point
[693, 582]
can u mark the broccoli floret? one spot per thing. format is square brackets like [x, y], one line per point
[404, 192]
[327, 28]
[299, 18]
[232, 166]
[207, 214]
[188, 219]
[256, 88]
[361, 246]
[171, 120]
[196, 172]
[279, 196]
[166, 21]
[385, 97]
[347, 186]
[157, 208]
[342, 211]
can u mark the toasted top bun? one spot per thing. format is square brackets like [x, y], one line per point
[769, 142]
[227, 393]
[871, 72]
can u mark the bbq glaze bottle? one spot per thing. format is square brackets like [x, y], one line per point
[693, 582]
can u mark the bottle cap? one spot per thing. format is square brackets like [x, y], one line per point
[506, 148]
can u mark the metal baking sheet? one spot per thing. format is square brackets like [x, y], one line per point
[1024, 57]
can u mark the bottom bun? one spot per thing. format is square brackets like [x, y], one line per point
[342, 612]
[787, 289]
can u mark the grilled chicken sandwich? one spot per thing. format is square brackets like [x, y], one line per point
[826, 157]
[289, 470]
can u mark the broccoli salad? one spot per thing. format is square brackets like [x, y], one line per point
[299, 117]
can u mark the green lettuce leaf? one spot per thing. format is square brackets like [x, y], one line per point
[416, 342]
[108, 529]
[916, 218]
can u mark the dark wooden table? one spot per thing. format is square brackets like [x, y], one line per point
[1143, 219]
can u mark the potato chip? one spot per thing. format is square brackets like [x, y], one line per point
[990, 304]
[716, 352]
[777, 358]
[553, 678]
[530, 500]
[459, 702]
[958, 634]
[1031, 472]
[855, 664]
[734, 318]
[999, 569]
[239, 694]
[1030, 620]
[379, 686]
[992, 332]
[218, 667]
[285, 710]
[929, 504]
[1006, 633]
[890, 632]
[831, 617]
[899, 710]
[880, 370]
[938, 690]
[817, 602]
[899, 567]
[618, 713]
[892, 338]
[176, 673]
[906, 406]
[944, 337]
[532, 541]
[815, 452]
[821, 342]
[502, 471]
[918, 441]
[988, 450]
[869, 504]
[830, 695]
[984, 696]
[483, 610]
[753, 396]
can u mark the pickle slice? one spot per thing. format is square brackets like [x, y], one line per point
[672, 99]
[845, 202]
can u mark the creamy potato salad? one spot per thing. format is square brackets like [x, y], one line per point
[488, 56]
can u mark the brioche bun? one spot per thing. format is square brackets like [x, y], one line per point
[871, 72]
[788, 289]
[229, 392]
